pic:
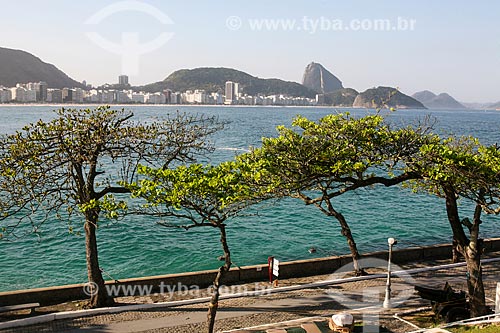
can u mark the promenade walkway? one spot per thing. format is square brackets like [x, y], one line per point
[362, 298]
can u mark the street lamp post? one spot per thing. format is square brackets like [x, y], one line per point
[387, 300]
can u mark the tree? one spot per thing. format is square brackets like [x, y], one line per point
[456, 169]
[72, 165]
[203, 196]
[323, 160]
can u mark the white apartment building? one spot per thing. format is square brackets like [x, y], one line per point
[94, 96]
[232, 92]
[122, 97]
[136, 97]
[107, 97]
[18, 94]
[200, 97]
[176, 98]
[156, 98]
[78, 95]
[30, 96]
[217, 98]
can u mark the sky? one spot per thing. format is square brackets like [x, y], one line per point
[441, 46]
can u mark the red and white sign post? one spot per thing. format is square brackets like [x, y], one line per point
[274, 270]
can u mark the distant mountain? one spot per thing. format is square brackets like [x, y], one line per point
[214, 79]
[494, 106]
[386, 96]
[341, 97]
[18, 66]
[441, 101]
[318, 78]
[424, 96]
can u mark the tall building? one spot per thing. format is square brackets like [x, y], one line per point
[42, 92]
[18, 94]
[30, 96]
[78, 95]
[57, 96]
[123, 80]
[31, 86]
[122, 97]
[67, 95]
[231, 92]
[236, 90]
[200, 97]
[168, 96]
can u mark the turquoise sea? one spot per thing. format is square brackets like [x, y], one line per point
[137, 246]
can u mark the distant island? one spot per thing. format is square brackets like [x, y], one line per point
[24, 78]
[441, 101]
[386, 97]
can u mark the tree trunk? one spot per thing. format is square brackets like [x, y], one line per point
[470, 249]
[97, 292]
[454, 251]
[214, 301]
[346, 232]
[475, 285]
[345, 229]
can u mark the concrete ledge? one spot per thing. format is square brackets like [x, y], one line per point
[203, 279]
[29, 321]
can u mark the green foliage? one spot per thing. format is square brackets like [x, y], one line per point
[386, 97]
[109, 205]
[54, 167]
[342, 97]
[202, 194]
[462, 163]
[334, 153]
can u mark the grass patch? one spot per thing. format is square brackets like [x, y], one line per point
[423, 319]
[492, 328]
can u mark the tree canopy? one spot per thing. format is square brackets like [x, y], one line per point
[318, 161]
[72, 164]
[464, 169]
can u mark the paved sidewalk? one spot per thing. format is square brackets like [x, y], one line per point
[361, 298]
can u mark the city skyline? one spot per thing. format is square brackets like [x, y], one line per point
[449, 46]
[39, 92]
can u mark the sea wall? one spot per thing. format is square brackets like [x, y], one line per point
[203, 279]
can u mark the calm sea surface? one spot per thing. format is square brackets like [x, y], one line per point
[137, 247]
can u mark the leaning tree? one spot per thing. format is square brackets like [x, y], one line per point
[319, 161]
[200, 196]
[463, 170]
[72, 165]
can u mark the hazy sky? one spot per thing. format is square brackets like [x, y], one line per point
[453, 46]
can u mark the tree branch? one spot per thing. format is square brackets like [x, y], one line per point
[112, 189]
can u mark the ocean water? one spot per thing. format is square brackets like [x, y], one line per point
[137, 246]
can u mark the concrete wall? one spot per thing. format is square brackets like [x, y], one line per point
[299, 268]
